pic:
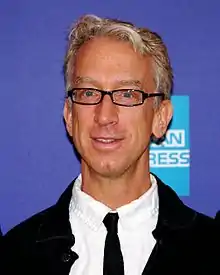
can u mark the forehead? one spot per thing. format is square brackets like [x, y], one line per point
[110, 60]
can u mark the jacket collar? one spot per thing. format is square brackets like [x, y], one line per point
[55, 220]
[173, 215]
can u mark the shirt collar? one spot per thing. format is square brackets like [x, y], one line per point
[92, 212]
[142, 209]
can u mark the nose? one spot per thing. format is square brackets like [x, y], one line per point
[106, 112]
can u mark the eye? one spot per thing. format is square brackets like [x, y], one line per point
[88, 93]
[127, 94]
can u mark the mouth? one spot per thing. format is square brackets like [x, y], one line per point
[105, 140]
[106, 143]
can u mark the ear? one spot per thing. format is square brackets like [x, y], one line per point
[162, 117]
[67, 114]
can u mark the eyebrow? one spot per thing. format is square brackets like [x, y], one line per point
[123, 82]
[130, 82]
[84, 79]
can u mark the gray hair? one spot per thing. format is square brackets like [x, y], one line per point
[143, 41]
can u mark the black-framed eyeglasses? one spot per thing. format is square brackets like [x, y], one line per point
[121, 97]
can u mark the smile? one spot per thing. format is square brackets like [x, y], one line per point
[106, 140]
[106, 143]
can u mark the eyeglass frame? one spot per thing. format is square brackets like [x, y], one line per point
[110, 93]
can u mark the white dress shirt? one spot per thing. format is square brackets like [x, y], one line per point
[136, 222]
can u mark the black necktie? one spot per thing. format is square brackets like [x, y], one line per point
[113, 259]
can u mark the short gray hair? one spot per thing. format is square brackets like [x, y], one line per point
[143, 40]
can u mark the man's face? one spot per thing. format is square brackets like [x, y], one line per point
[112, 139]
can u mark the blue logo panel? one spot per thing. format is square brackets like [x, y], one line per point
[171, 159]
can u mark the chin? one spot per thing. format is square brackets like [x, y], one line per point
[108, 170]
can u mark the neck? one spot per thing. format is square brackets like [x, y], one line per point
[118, 191]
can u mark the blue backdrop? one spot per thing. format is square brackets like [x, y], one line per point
[36, 160]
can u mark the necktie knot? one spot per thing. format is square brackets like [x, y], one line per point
[111, 223]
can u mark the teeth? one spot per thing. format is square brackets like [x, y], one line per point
[105, 140]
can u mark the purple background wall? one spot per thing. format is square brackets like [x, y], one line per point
[36, 159]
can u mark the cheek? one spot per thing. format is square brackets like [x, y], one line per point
[142, 125]
[82, 119]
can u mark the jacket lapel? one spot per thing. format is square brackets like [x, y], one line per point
[174, 218]
[55, 240]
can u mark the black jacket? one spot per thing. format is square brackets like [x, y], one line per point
[187, 241]
[217, 217]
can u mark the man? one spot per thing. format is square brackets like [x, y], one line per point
[116, 217]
